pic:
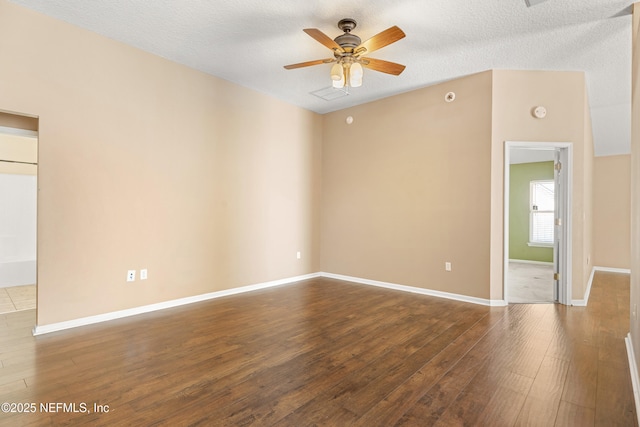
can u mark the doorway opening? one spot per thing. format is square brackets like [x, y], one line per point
[537, 225]
[18, 218]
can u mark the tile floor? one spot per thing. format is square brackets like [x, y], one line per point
[530, 283]
[17, 298]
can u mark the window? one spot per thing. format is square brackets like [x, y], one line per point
[541, 217]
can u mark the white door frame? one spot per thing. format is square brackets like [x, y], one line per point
[564, 257]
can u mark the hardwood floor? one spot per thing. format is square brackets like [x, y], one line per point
[329, 353]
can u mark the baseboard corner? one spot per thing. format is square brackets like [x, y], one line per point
[415, 290]
[583, 302]
[498, 303]
[99, 318]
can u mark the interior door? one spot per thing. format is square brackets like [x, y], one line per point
[557, 229]
[562, 253]
[560, 229]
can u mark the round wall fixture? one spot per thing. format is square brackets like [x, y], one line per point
[539, 112]
[349, 120]
[450, 97]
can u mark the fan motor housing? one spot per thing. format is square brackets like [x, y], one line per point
[348, 40]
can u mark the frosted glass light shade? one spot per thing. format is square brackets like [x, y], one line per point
[337, 72]
[337, 76]
[355, 75]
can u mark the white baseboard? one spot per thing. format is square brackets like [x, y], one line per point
[633, 369]
[17, 273]
[430, 292]
[612, 270]
[583, 302]
[526, 261]
[54, 327]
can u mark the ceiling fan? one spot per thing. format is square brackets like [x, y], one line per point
[348, 54]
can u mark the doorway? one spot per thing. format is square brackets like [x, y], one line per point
[18, 224]
[537, 225]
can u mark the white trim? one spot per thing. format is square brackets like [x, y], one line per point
[587, 293]
[53, 327]
[633, 369]
[18, 132]
[526, 261]
[422, 291]
[613, 270]
[566, 255]
[84, 321]
[539, 245]
[17, 272]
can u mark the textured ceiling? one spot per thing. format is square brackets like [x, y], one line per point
[249, 41]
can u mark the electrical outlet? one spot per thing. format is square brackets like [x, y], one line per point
[143, 274]
[447, 266]
[298, 255]
[131, 276]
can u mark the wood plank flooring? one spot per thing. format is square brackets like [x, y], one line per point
[328, 353]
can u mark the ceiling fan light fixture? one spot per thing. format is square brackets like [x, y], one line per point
[338, 84]
[347, 52]
[355, 75]
[337, 73]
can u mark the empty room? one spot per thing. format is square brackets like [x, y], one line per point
[325, 214]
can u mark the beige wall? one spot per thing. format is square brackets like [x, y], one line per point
[586, 257]
[612, 211]
[635, 184]
[515, 94]
[406, 188]
[415, 182]
[144, 163]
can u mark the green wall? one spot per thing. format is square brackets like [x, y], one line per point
[520, 176]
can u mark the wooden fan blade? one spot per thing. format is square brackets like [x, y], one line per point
[383, 66]
[323, 38]
[308, 63]
[380, 40]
